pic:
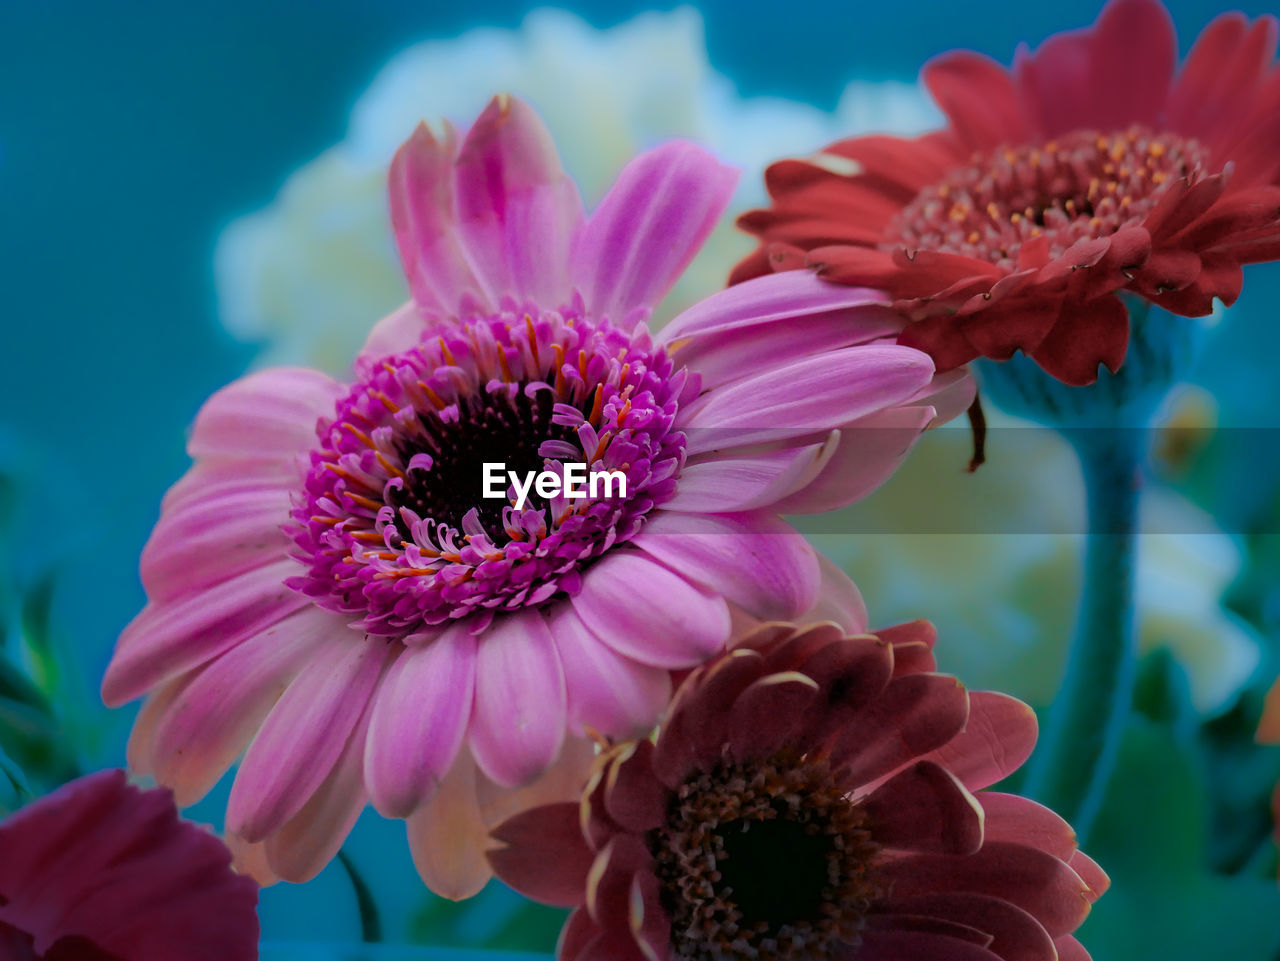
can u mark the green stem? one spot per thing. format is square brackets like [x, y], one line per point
[370, 921]
[1077, 752]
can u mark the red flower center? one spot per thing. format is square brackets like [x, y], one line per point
[766, 861]
[1078, 187]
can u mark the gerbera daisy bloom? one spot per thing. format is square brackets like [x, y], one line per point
[1093, 168]
[332, 582]
[812, 795]
[101, 871]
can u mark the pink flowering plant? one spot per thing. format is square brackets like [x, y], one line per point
[331, 592]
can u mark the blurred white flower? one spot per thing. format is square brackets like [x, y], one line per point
[993, 558]
[309, 274]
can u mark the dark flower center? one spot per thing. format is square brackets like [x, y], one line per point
[506, 429]
[1079, 186]
[395, 525]
[764, 861]
[776, 870]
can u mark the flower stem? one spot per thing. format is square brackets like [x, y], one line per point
[1074, 760]
[370, 920]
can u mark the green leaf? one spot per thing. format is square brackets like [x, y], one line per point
[1152, 838]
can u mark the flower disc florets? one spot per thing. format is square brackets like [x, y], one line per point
[395, 525]
[764, 860]
[1081, 186]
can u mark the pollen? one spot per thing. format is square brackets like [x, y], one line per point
[1084, 185]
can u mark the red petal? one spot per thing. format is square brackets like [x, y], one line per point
[925, 808]
[979, 98]
[1010, 817]
[577, 933]
[754, 265]
[546, 857]
[917, 946]
[998, 332]
[1016, 935]
[997, 738]
[1133, 49]
[916, 714]
[767, 713]
[633, 796]
[942, 339]
[1086, 335]
[1036, 882]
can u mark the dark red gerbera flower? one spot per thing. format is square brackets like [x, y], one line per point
[812, 796]
[1093, 167]
[102, 871]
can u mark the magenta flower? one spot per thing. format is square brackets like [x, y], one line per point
[101, 871]
[330, 586]
[812, 795]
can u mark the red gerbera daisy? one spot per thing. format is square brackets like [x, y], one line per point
[812, 796]
[1093, 167]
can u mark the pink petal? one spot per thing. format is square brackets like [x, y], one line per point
[650, 614]
[395, 333]
[997, 738]
[839, 600]
[723, 356]
[138, 750]
[268, 415]
[546, 857]
[216, 715]
[207, 540]
[305, 734]
[607, 692]
[803, 397]
[925, 808]
[309, 840]
[518, 212]
[221, 476]
[562, 781]
[448, 838]
[520, 712]
[648, 228]
[170, 638]
[754, 560]
[421, 188]
[866, 453]
[744, 482]
[419, 717]
[787, 299]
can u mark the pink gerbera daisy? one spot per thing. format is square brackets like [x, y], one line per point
[812, 795]
[101, 871]
[330, 582]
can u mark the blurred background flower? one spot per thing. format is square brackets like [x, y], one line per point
[307, 276]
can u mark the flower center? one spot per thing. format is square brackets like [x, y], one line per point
[1080, 186]
[395, 522]
[764, 861]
